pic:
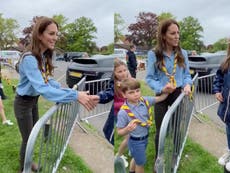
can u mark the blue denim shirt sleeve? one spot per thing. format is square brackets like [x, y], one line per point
[187, 75]
[54, 83]
[218, 82]
[152, 76]
[32, 83]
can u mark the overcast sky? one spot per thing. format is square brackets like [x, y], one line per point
[214, 16]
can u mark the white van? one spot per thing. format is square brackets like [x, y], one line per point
[9, 56]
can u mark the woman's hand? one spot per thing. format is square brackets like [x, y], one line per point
[187, 89]
[169, 88]
[88, 101]
[219, 97]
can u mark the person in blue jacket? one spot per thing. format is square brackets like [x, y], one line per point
[35, 70]
[105, 97]
[221, 89]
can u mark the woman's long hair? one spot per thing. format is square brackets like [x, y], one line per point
[117, 89]
[161, 44]
[226, 64]
[35, 46]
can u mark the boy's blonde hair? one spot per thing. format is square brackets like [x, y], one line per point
[130, 84]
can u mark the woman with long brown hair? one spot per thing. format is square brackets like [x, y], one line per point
[167, 70]
[35, 70]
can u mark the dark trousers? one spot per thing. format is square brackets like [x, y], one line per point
[26, 113]
[132, 72]
[159, 111]
[108, 128]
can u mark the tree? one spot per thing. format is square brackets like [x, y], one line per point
[164, 16]
[27, 32]
[221, 44]
[143, 32]
[190, 34]
[80, 34]
[8, 31]
[119, 26]
[62, 23]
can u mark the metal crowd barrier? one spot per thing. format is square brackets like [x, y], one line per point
[173, 133]
[94, 87]
[50, 135]
[204, 98]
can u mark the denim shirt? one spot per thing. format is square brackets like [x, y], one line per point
[31, 83]
[157, 79]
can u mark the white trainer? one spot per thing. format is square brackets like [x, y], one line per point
[227, 166]
[7, 122]
[225, 159]
[125, 161]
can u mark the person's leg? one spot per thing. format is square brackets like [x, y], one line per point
[123, 145]
[137, 150]
[132, 166]
[25, 126]
[23, 112]
[228, 134]
[2, 112]
[139, 169]
[108, 128]
[159, 111]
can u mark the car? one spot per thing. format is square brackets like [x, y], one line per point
[94, 68]
[60, 58]
[206, 63]
[70, 56]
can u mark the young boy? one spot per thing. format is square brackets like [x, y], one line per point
[134, 118]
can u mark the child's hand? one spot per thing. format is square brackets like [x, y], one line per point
[161, 97]
[219, 97]
[132, 125]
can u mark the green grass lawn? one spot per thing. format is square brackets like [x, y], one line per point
[194, 158]
[10, 141]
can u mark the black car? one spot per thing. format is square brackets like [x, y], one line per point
[95, 67]
[206, 63]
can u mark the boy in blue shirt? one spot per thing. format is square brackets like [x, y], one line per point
[134, 118]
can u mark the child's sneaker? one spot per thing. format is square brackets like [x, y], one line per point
[7, 122]
[224, 159]
[124, 160]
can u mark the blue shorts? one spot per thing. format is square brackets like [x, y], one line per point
[137, 150]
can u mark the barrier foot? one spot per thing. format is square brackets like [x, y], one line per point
[81, 127]
[194, 115]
